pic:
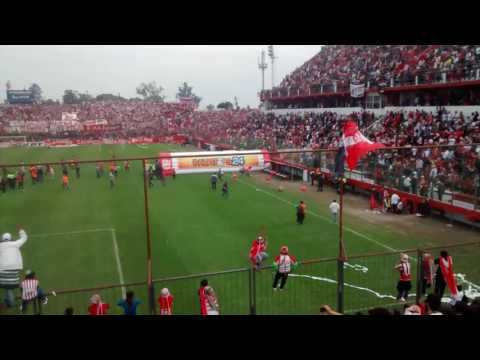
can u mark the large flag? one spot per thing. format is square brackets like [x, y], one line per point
[446, 266]
[356, 145]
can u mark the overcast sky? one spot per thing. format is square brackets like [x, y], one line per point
[216, 72]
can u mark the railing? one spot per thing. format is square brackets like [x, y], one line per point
[369, 280]
[471, 73]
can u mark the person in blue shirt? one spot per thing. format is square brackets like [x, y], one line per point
[129, 304]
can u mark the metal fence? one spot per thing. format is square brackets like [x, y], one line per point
[367, 280]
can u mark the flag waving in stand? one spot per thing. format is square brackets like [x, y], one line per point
[355, 144]
[352, 148]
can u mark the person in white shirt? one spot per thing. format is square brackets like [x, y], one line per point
[334, 208]
[211, 301]
[11, 264]
[394, 201]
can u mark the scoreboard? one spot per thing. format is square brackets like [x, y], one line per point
[20, 97]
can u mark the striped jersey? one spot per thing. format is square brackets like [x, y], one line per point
[29, 289]
[285, 263]
[405, 274]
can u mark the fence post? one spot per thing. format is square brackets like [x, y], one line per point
[340, 287]
[151, 295]
[253, 291]
[419, 275]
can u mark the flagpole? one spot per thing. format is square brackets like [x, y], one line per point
[341, 253]
[341, 249]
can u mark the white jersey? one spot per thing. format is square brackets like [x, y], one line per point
[395, 199]
[10, 255]
[211, 303]
[334, 207]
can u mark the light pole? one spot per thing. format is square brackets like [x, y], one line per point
[262, 65]
[271, 55]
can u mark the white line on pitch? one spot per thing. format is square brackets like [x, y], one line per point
[321, 217]
[69, 232]
[119, 264]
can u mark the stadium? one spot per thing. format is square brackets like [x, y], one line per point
[353, 188]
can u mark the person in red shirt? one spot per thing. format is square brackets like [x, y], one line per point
[33, 173]
[165, 301]
[405, 283]
[65, 182]
[202, 297]
[97, 307]
[258, 251]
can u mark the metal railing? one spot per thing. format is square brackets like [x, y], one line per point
[369, 280]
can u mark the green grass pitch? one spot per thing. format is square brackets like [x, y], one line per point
[92, 235]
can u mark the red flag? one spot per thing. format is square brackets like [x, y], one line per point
[356, 145]
[446, 265]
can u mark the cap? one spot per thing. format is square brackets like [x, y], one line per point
[165, 292]
[6, 237]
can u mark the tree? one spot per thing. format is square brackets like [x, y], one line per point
[36, 91]
[50, 102]
[210, 107]
[109, 97]
[226, 105]
[70, 97]
[74, 97]
[185, 91]
[151, 91]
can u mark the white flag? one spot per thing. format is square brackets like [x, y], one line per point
[357, 91]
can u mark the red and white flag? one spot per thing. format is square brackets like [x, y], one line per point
[356, 145]
[446, 266]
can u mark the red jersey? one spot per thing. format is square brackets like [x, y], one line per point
[166, 305]
[203, 306]
[98, 309]
[256, 248]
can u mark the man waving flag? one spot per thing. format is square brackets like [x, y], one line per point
[355, 144]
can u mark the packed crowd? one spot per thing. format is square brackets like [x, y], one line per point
[416, 170]
[335, 67]
[123, 118]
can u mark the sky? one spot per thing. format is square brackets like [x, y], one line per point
[216, 72]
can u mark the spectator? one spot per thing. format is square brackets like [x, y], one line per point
[202, 297]
[334, 208]
[97, 307]
[427, 272]
[211, 301]
[284, 264]
[404, 285]
[129, 304]
[301, 210]
[69, 311]
[11, 263]
[165, 301]
[433, 304]
[327, 310]
[394, 201]
[32, 293]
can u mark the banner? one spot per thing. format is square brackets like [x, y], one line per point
[69, 116]
[357, 91]
[228, 161]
